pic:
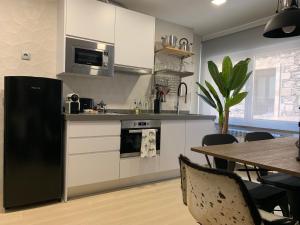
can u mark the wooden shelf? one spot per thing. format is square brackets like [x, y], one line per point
[175, 51]
[177, 73]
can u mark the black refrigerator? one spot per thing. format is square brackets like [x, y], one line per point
[33, 141]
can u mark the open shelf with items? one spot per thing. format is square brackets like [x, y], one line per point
[172, 72]
[171, 65]
[175, 52]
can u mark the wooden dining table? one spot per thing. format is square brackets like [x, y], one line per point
[276, 154]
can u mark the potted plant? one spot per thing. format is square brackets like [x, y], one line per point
[230, 82]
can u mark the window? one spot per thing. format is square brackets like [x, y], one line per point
[274, 88]
[264, 93]
[276, 93]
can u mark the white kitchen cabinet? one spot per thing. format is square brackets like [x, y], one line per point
[90, 19]
[136, 166]
[93, 168]
[195, 131]
[92, 152]
[94, 128]
[93, 144]
[172, 143]
[134, 39]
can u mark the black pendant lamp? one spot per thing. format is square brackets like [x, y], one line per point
[286, 23]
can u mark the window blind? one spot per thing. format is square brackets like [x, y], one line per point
[274, 88]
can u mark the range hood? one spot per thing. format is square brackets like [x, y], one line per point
[132, 70]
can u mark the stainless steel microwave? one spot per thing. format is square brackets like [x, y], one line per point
[89, 57]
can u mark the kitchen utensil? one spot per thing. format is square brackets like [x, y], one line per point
[184, 45]
[169, 41]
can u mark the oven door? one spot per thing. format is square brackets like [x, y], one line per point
[89, 58]
[131, 140]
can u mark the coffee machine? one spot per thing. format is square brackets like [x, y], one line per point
[72, 104]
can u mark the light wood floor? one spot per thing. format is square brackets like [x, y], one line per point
[152, 204]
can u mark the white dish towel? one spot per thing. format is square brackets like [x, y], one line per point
[148, 145]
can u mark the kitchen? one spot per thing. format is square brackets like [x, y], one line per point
[128, 91]
[97, 155]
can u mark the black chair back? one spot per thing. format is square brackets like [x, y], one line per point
[219, 139]
[258, 136]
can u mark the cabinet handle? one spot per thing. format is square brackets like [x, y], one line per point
[138, 131]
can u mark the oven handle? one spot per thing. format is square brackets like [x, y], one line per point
[139, 131]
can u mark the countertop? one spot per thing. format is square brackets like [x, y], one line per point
[143, 116]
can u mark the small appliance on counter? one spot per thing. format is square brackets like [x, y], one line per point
[86, 104]
[72, 104]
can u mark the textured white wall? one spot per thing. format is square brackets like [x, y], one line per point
[26, 25]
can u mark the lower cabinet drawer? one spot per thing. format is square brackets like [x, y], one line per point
[135, 166]
[93, 144]
[93, 128]
[92, 168]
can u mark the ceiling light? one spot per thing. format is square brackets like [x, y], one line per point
[286, 23]
[218, 2]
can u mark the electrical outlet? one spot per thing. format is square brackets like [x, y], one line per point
[26, 55]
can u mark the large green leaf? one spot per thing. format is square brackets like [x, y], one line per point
[224, 81]
[235, 99]
[239, 74]
[215, 95]
[205, 92]
[238, 89]
[227, 71]
[208, 101]
[215, 74]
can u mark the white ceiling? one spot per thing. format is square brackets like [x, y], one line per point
[202, 16]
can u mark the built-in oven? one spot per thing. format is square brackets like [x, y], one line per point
[89, 57]
[131, 136]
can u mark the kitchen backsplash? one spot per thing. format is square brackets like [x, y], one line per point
[121, 91]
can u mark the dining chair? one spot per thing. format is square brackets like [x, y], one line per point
[258, 136]
[266, 197]
[221, 197]
[290, 183]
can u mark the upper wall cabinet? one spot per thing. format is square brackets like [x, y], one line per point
[90, 19]
[134, 39]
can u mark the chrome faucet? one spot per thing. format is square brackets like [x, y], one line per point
[178, 95]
